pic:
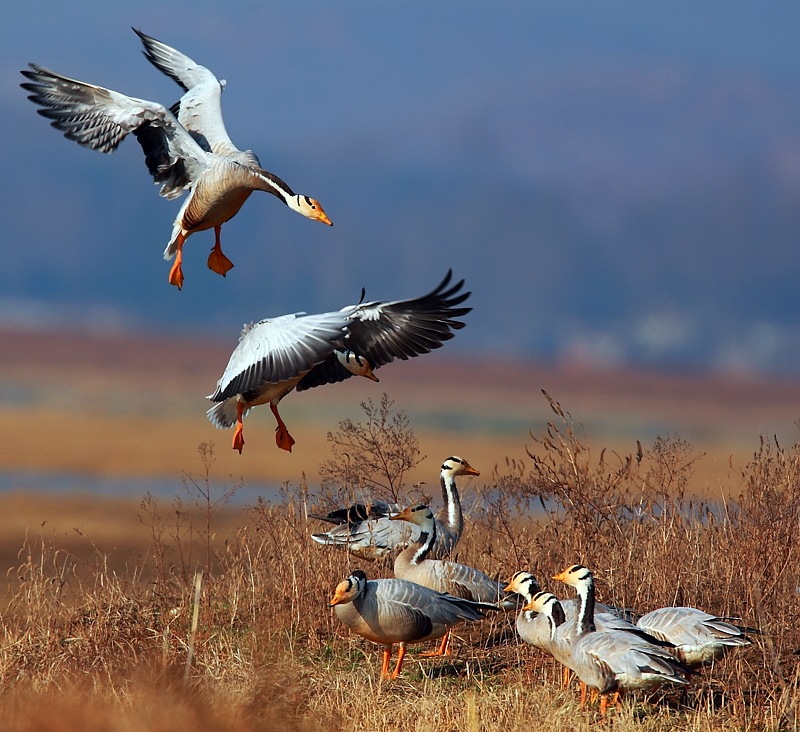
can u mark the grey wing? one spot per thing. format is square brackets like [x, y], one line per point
[686, 626]
[376, 537]
[384, 331]
[403, 329]
[200, 108]
[626, 654]
[277, 350]
[438, 607]
[468, 582]
[101, 118]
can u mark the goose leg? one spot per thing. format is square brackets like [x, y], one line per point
[238, 435]
[401, 654]
[282, 437]
[217, 261]
[387, 656]
[176, 273]
[566, 676]
[442, 650]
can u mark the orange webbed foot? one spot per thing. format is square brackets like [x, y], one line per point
[238, 438]
[283, 439]
[218, 262]
[176, 274]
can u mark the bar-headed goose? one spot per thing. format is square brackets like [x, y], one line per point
[535, 628]
[299, 351]
[366, 529]
[415, 564]
[186, 148]
[610, 661]
[389, 611]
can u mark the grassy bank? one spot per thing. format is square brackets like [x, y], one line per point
[97, 643]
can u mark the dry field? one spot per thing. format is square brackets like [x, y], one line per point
[100, 590]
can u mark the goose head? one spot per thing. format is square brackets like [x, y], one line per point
[523, 583]
[419, 514]
[308, 207]
[454, 466]
[575, 576]
[349, 589]
[355, 364]
[541, 602]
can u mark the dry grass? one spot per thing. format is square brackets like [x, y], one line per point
[89, 645]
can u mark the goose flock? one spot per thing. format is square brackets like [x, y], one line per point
[611, 650]
[187, 150]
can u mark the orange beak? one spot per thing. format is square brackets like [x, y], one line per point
[338, 594]
[561, 576]
[404, 515]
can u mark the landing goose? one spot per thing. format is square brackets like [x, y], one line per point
[389, 611]
[278, 355]
[367, 531]
[415, 564]
[186, 148]
[610, 661]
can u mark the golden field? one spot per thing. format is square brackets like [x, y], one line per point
[99, 587]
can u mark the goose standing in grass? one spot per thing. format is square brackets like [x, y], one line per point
[699, 638]
[415, 564]
[186, 148]
[299, 351]
[535, 628]
[610, 661]
[367, 530]
[389, 611]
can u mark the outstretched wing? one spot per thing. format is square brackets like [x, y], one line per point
[200, 108]
[101, 118]
[384, 331]
[277, 350]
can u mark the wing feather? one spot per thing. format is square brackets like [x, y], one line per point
[200, 108]
[277, 350]
[401, 329]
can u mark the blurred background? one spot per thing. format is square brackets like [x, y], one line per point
[618, 184]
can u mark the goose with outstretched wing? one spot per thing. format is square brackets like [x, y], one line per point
[278, 355]
[186, 148]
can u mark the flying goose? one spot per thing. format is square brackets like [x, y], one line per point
[389, 611]
[610, 661]
[367, 531]
[699, 638]
[186, 148]
[415, 564]
[299, 351]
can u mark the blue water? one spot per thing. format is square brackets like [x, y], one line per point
[129, 487]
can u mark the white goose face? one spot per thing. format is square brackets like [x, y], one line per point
[420, 515]
[310, 208]
[541, 602]
[575, 576]
[349, 589]
[458, 466]
[523, 583]
[355, 364]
